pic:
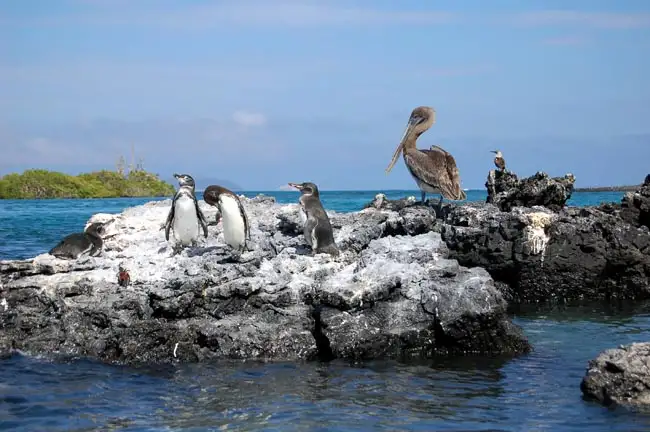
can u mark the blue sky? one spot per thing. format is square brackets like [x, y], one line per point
[262, 92]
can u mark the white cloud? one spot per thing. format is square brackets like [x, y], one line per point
[251, 119]
[602, 20]
[285, 13]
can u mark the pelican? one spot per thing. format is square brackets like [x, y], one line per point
[499, 161]
[434, 170]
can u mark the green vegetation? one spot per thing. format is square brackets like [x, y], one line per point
[33, 184]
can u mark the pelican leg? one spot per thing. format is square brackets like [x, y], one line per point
[424, 197]
[440, 203]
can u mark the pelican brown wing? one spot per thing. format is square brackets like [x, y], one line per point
[437, 168]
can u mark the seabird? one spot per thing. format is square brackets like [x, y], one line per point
[317, 228]
[236, 230]
[499, 161]
[185, 217]
[87, 243]
[434, 170]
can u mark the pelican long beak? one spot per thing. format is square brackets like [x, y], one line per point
[295, 185]
[409, 128]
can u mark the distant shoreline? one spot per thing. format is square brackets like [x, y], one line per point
[608, 189]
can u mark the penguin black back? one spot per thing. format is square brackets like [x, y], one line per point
[76, 245]
[234, 215]
[317, 229]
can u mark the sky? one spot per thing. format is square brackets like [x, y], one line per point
[258, 93]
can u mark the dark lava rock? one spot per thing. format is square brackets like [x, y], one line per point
[579, 253]
[619, 376]
[634, 207]
[392, 293]
[506, 191]
[538, 255]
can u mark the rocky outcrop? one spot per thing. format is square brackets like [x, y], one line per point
[537, 255]
[634, 207]
[392, 293]
[506, 190]
[578, 253]
[619, 376]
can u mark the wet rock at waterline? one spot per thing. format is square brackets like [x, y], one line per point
[392, 293]
[619, 376]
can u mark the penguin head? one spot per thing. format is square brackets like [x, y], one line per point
[306, 188]
[96, 228]
[185, 180]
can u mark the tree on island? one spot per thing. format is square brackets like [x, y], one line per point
[39, 183]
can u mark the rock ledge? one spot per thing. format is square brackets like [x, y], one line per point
[392, 293]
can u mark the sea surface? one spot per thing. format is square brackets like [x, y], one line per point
[535, 392]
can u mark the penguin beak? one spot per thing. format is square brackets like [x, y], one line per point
[493, 151]
[295, 185]
[176, 175]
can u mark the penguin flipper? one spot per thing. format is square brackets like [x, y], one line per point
[325, 233]
[247, 229]
[200, 216]
[203, 222]
[170, 219]
[308, 231]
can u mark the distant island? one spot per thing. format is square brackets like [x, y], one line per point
[38, 183]
[608, 189]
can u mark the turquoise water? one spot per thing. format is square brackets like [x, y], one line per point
[31, 227]
[536, 392]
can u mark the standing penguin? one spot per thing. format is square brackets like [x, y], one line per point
[235, 222]
[185, 217]
[317, 228]
[87, 243]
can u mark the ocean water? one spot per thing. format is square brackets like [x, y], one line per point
[535, 392]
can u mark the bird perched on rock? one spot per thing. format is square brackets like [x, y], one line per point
[123, 277]
[499, 161]
[185, 217]
[317, 228]
[434, 169]
[77, 245]
[236, 229]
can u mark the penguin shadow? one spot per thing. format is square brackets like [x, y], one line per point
[223, 253]
[202, 250]
[304, 250]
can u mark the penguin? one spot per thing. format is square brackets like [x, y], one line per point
[236, 230]
[185, 217]
[77, 245]
[317, 228]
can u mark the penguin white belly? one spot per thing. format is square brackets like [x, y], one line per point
[303, 216]
[186, 223]
[234, 231]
